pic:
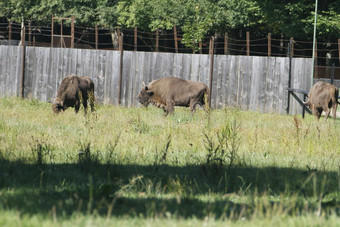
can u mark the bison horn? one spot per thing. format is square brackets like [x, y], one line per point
[143, 85]
[306, 103]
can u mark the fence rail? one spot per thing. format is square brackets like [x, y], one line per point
[246, 82]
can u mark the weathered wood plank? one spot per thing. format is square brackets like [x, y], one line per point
[245, 78]
[255, 83]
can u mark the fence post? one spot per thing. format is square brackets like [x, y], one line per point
[211, 68]
[9, 32]
[289, 73]
[135, 38]
[226, 43]
[303, 106]
[29, 34]
[96, 35]
[332, 72]
[269, 44]
[52, 31]
[157, 39]
[72, 32]
[248, 43]
[291, 42]
[120, 35]
[23, 56]
[339, 49]
[175, 39]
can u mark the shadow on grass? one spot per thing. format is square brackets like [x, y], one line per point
[148, 191]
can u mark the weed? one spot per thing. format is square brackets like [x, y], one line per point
[222, 149]
[40, 150]
[139, 125]
[164, 153]
[297, 125]
[110, 150]
[85, 158]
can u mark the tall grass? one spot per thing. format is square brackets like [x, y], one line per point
[134, 166]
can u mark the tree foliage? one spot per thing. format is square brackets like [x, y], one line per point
[196, 18]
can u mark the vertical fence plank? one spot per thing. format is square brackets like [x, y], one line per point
[245, 78]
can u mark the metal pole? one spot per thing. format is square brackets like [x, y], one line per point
[314, 38]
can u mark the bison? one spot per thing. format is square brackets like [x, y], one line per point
[72, 91]
[168, 92]
[323, 97]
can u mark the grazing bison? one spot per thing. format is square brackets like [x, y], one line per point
[73, 90]
[323, 97]
[168, 92]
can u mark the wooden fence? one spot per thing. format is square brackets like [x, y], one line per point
[246, 82]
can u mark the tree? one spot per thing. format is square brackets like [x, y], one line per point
[196, 18]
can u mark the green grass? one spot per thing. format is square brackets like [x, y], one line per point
[132, 166]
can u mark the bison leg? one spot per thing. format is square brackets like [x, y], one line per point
[91, 105]
[77, 106]
[85, 105]
[317, 112]
[335, 106]
[327, 111]
[193, 104]
[91, 99]
[169, 108]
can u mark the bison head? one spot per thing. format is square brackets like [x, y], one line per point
[57, 106]
[145, 95]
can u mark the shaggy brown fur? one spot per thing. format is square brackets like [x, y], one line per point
[72, 91]
[323, 97]
[168, 92]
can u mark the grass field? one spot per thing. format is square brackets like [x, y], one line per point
[132, 166]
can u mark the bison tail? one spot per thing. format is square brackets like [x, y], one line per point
[335, 93]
